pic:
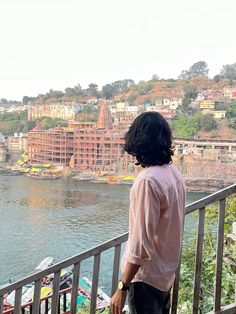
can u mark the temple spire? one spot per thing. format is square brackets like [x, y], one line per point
[104, 118]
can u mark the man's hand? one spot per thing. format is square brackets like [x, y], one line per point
[118, 301]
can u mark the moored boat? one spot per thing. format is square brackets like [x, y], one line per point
[44, 176]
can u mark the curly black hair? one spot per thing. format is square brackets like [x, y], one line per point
[149, 139]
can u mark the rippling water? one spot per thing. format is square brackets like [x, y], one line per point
[58, 218]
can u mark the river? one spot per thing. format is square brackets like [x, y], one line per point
[58, 218]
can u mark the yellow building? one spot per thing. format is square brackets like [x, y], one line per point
[219, 114]
[207, 104]
[62, 110]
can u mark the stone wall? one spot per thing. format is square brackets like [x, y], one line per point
[206, 175]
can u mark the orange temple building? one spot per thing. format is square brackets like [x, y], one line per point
[82, 146]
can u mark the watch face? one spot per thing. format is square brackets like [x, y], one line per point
[120, 285]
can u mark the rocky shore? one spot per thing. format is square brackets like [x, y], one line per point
[207, 185]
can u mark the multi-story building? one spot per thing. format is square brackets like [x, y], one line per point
[123, 110]
[81, 146]
[17, 144]
[207, 104]
[169, 103]
[51, 146]
[62, 110]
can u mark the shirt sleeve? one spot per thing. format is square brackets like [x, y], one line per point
[146, 214]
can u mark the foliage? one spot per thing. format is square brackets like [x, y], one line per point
[232, 123]
[208, 263]
[190, 93]
[12, 116]
[3, 101]
[208, 122]
[228, 71]
[199, 68]
[85, 310]
[15, 122]
[26, 100]
[188, 126]
[93, 90]
[231, 110]
[184, 126]
[109, 90]
[143, 87]
[47, 122]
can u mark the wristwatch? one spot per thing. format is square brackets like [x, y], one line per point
[122, 286]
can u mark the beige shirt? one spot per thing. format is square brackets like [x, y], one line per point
[157, 202]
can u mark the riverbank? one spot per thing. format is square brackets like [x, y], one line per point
[193, 184]
[206, 185]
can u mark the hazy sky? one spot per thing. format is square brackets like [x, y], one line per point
[58, 43]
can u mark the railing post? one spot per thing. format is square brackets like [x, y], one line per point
[64, 302]
[198, 261]
[17, 305]
[37, 290]
[75, 286]
[175, 290]
[55, 296]
[116, 265]
[1, 304]
[219, 254]
[96, 266]
[46, 306]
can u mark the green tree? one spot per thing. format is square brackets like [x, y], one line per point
[232, 123]
[108, 91]
[3, 101]
[186, 126]
[190, 93]
[78, 90]
[26, 100]
[228, 71]
[217, 78]
[69, 91]
[184, 75]
[231, 110]
[199, 68]
[208, 122]
[93, 89]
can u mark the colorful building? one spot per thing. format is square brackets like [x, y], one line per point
[61, 110]
[82, 146]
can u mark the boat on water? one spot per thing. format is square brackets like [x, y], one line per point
[83, 298]
[44, 176]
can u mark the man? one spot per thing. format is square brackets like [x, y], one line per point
[157, 202]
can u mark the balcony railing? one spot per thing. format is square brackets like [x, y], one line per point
[75, 262]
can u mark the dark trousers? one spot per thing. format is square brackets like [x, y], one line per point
[145, 299]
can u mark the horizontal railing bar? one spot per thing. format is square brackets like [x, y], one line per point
[210, 199]
[229, 309]
[64, 264]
